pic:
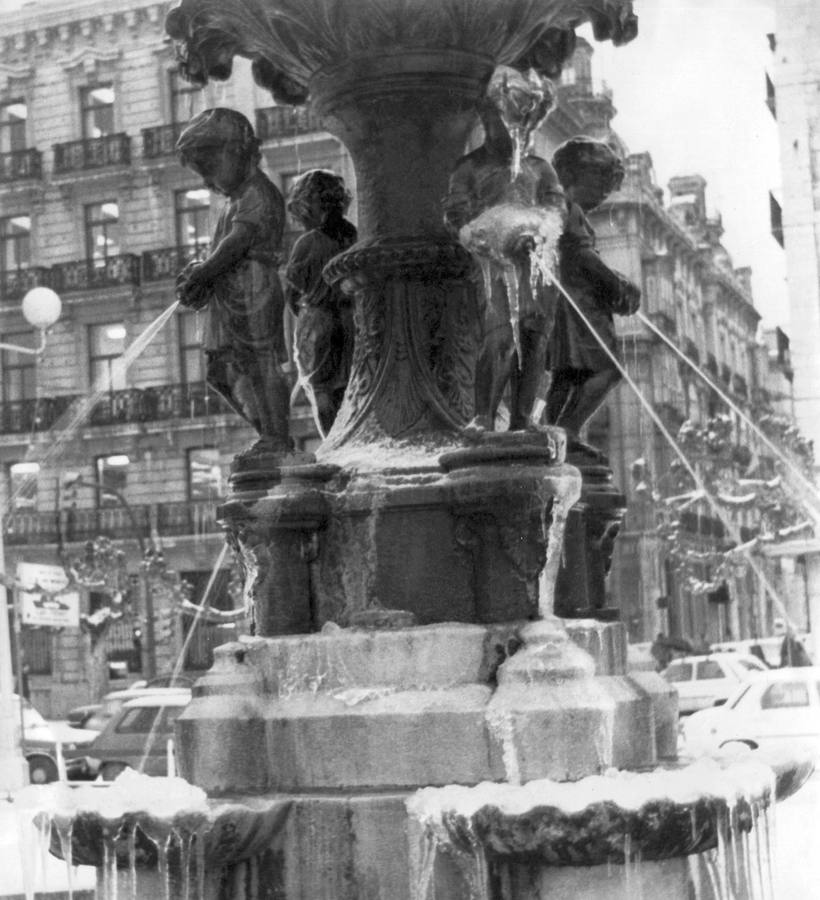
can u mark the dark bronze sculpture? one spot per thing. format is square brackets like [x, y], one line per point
[507, 204]
[238, 282]
[323, 339]
[583, 371]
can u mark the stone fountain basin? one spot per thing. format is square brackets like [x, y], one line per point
[137, 818]
[672, 811]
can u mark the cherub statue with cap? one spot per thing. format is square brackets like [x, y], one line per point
[238, 282]
[508, 207]
[583, 353]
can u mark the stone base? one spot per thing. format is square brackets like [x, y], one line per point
[358, 710]
[455, 532]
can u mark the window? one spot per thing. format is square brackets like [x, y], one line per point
[193, 215]
[204, 474]
[112, 476]
[186, 99]
[19, 370]
[102, 232]
[678, 672]
[23, 485]
[785, 694]
[106, 343]
[15, 243]
[708, 668]
[145, 719]
[97, 110]
[13, 117]
[190, 348]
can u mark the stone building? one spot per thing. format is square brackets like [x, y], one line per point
[692, 294]
[95, 206]
[794, 99]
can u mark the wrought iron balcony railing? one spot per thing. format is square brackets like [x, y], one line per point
[92, 153]
[167, 262]
[286, 121]
[14, 285]
[25, 416]
[130, 406]
[117, 522]
[151, 404]
[160, 140]
[19, 165]
[86, 274]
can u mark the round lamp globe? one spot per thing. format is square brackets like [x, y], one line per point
[41, 307]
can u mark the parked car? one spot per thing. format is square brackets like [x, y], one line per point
[780, 708]
[95, 716]
[702, 681]
[136, 736]
[40, 744]
[167, 679]
[769, 647]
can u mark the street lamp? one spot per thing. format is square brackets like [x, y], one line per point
[41, 308]
[147, 596]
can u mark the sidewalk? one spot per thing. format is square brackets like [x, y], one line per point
[27, 868]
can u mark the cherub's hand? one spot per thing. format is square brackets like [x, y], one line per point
[190, 286]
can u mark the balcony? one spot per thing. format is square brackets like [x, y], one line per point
[691, 350]
[158, 265]
[127, 407]
[92, 153]
[161, 140]
[116, 522]
[15, 285]
[152, 404]
[20, 165]
[25, 416]
[84, 274]
[739, 385]
[286, 121]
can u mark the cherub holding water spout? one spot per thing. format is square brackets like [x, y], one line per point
[508, 207]
[583, 356]
[238, 282]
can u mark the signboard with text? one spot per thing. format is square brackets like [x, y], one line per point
[43, 597]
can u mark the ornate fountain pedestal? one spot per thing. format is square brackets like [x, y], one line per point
[403, 584]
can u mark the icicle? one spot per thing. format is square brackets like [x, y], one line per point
[185, 839]
[62, 774]
[767, 844]
[721, 859]
[511, 283]
[162, 858]
[748, 883]
[695, 875]
[200, 864]
[628, 869]
[428, 848]
[693, 822]
[110, 844]
[711, 870]
[132, 862]
[43, 824]
[26, 844]
[758, 852]
[65, 833]
[169, 758]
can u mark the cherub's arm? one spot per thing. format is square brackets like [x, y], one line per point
[621, 295]
[195, 278]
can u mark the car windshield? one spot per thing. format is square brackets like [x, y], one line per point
[709, 668]
[142, 719]
[678, 672]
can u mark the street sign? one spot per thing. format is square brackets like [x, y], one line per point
[43, 597]
[47, 578]
[50, 610]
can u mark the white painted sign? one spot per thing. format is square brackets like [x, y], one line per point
[47, 603]
[35, 575]
[50, 610]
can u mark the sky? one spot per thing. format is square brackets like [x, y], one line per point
[690, 90]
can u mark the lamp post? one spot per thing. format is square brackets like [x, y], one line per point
[41, 309]
[147, 596]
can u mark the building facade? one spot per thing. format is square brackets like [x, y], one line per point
[673, 572]
[794, 100]
[95, 205]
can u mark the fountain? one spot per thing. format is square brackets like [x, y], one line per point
[410, 713]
